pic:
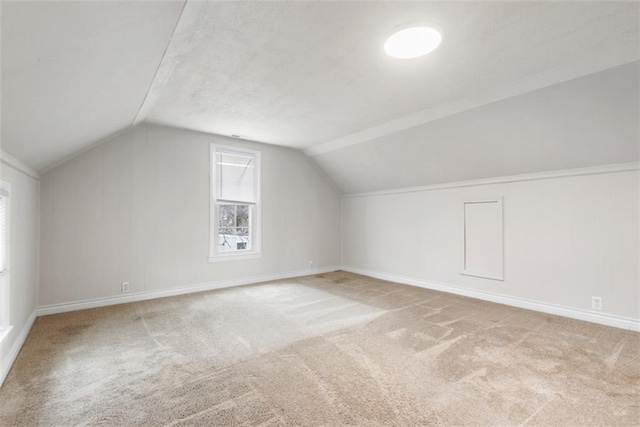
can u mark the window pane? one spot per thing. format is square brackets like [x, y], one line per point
[242, 219]
[233, 239]
[227, 216]
[226, 239]
[242, 239]
[236, 173]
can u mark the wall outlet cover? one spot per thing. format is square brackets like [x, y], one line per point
[124, 287]
[596, 303]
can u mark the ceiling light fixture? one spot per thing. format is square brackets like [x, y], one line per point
[412, 41]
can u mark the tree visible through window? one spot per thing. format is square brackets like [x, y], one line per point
[233, 228]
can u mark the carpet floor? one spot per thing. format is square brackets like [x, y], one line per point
[332, 349]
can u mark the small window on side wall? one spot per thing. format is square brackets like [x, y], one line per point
[235, 204]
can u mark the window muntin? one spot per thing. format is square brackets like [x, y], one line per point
[235, 203]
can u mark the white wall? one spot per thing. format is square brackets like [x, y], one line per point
[23, 276]
[136, 208]
[565, 239]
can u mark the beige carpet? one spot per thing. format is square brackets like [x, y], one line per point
[334, 349]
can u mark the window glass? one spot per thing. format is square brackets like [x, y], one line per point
[233, 228]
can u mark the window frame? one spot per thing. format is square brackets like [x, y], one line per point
[255, 226]
[5, 275]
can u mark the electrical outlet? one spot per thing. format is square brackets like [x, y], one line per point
[310, 264]
[124, 287]
[596, 303]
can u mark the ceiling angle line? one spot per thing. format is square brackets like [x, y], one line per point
[519, 87]
[160, 77]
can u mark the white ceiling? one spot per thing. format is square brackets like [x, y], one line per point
[309, 75]
[302, 74]
[74, 73]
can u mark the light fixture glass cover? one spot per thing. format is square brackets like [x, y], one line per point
[413, 41]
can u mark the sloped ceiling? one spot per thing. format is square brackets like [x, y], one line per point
[588, 121]
[309, 75]
[74, 73]
[304, 74]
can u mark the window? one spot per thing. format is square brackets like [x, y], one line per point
[4, 258]
[235, 204]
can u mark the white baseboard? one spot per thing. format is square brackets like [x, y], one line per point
[600, 318]
[589, 316]
[604, 319]
[146, 295]
[15, 348]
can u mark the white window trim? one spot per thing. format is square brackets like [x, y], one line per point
[5, 276]
[256, 226]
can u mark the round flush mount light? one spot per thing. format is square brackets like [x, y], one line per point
[412, 41]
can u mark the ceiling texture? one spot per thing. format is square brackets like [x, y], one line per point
[313, 76]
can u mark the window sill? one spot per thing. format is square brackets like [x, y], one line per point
[235, 257]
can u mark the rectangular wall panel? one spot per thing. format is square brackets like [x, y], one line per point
[483, 240]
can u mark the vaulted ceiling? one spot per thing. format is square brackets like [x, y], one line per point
[74, 73]
[309, 75]
[589, 121]
[303, 74]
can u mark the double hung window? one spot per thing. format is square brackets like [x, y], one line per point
[235, 204]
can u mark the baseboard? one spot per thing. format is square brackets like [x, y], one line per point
[15, 348]
[147, 295]
[600, 318]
